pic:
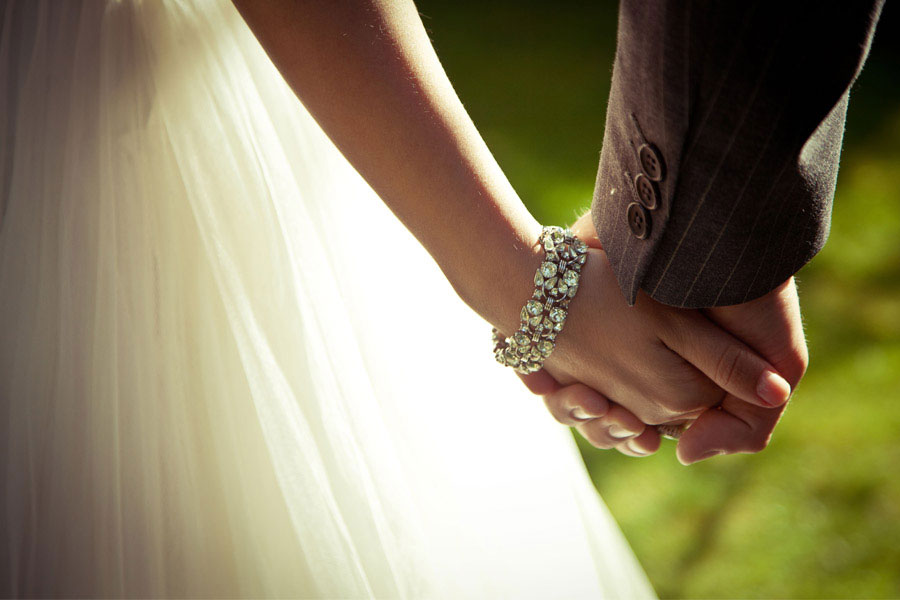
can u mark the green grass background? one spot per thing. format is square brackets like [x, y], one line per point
[816, 515]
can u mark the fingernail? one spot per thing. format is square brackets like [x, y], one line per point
[617, 431]
[580, 414]
[633, 446]
[773, 389]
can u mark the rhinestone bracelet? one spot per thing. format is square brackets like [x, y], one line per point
[544, 315]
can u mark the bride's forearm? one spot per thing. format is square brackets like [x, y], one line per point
[367, 72]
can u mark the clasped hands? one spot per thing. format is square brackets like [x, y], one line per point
[618, 370]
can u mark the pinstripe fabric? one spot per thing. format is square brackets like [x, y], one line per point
[746, 102]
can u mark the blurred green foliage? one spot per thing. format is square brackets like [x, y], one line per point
[817, 515]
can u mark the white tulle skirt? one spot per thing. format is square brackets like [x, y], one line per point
[225, 368]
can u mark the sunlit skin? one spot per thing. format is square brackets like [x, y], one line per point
[367, 72]
[771, 325]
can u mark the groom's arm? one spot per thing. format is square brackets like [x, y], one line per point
[723, 136]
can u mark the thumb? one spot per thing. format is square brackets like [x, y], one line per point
[728, 362]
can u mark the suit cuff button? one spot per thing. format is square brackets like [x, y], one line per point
[638, 220]
[647, 191]
[652, 162]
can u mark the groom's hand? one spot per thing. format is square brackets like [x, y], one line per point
[771, 325]
[662, 364]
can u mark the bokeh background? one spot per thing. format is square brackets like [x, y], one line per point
[816, 515]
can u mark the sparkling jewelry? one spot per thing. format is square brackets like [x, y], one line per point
[672, 431]
[544, 315]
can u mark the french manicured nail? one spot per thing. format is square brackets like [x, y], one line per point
[773, 389]
[580, 414]
[633, 446]
[619, 432]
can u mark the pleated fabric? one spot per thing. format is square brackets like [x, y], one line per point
[226, 369]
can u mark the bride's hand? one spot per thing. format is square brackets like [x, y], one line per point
[602, 423]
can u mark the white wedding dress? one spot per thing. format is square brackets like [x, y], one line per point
[226, 369]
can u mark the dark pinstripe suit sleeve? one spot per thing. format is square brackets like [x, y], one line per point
[744, 104]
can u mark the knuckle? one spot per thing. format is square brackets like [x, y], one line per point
[728, 365]
[793, 363]
[673, 327]
[575, 395]
[758, 443]
[800, 359]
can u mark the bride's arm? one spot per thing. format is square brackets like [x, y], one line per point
[367, 72]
